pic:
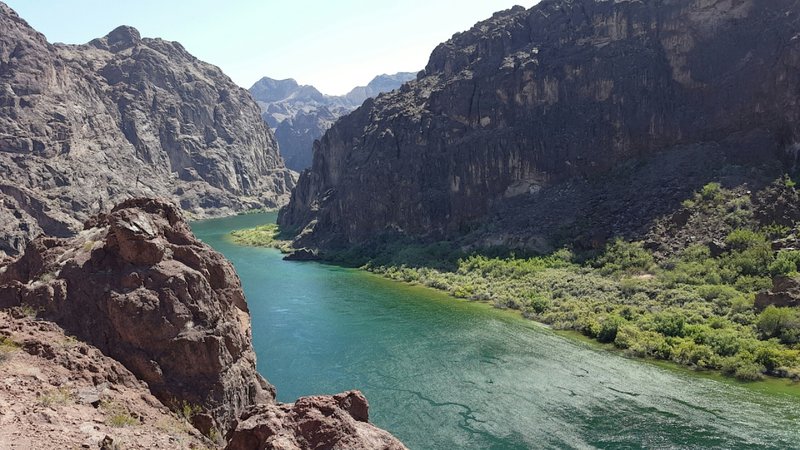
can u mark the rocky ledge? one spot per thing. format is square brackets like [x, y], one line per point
[140, 287]
[331, 422]
[58, 392]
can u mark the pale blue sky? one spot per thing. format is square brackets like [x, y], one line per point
[332, 44]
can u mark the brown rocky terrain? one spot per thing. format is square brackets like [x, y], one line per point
[575, 120]
[138, 286]
[83, 127]
[339, 422]
[59, 392]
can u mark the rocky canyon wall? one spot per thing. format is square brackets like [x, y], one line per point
[567, 90]
[83, 127]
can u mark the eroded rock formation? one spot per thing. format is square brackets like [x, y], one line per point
[517, 121]
[785, 292]
[83, 127]
[140, 287]
[136, 284]
[339, 422]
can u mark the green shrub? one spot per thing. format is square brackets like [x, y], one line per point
[627, 257]
[609, 327]
[188, 410]
[750, 254]
[588, 325]
[539, 303]
[122, 419]
[723, 341]
[786, 263]
[669, 323]
[773, 356]
[712, 192]
[696, 253]
[781, 323]
[776, 231]
[748, 283]
[119, 416]
[690, 353]
[749, 372]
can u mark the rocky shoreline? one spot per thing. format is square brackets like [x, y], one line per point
[136, 284]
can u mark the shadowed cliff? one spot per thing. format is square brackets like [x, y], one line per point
[573, 119]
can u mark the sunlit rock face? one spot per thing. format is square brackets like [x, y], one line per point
[139, 286]
[566, 90]
[83, 127]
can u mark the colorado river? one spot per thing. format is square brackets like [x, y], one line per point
[442, 373]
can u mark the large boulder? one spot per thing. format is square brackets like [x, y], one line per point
[339, 422]
[785, 292]
[139, 286]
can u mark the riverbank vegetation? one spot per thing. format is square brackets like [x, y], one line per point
[261, 236]
[694, 309]
[693, 305]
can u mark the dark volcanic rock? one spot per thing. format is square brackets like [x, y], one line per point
[140, 287]
[320, 422]
[302, 254]
[302, 114]
[84, 127]
[785, 292]
[533, 105]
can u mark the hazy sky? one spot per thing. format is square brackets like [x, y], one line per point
[332, 44]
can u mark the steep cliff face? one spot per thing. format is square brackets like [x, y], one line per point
[530, 106]
[83, 127]
[136, 284]
[140, 287]
[302, 114]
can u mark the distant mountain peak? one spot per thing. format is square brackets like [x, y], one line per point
[300, 114]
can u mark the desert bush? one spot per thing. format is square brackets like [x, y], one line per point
[786, 262]
[55, 397]
[781, 323]
[623, 256]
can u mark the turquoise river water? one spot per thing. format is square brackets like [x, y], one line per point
[442, 373]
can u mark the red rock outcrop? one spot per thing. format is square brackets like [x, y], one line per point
[140, 287]
[57, 393]
[330, 422]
